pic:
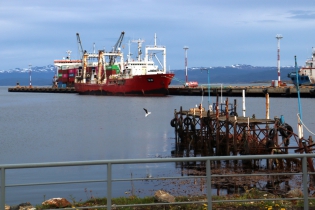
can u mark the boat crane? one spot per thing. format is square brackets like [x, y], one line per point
[116, 48]
[81, 51]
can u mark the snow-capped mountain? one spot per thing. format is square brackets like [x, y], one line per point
[48, 68]
[237, 73]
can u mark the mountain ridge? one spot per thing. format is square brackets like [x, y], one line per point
[237, 73]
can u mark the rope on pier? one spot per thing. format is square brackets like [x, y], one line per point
[304, 124]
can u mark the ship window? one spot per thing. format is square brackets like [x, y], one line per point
[150, 79]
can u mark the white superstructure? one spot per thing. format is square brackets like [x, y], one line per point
[146, 65]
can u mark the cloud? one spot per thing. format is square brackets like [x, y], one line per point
[216, 31]
[302, 14]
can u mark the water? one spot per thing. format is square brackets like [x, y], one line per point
[53, 127]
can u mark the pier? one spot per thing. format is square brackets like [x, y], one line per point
[42, 89]
[221, 131]
[250, 91]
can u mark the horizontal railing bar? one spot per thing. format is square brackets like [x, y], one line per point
[159, 178]
[153, 160]
[269, 174]
[52, 183]
[150, 179]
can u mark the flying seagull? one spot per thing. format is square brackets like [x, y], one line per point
[146, 112]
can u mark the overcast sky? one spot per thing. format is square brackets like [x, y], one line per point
[217, 32]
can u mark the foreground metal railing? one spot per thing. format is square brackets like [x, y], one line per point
[110, 163]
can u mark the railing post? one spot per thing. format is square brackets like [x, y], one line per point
[305, 187]
[109, 186]
[209, 197]
[2, 202]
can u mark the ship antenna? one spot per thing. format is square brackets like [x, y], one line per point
[129, 54]
[69, 53]
[278, 37]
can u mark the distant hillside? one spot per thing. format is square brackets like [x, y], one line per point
[232, 74]
[42, 76]
[38, 79]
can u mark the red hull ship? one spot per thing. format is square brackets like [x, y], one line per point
[146, 85]
[111, 75]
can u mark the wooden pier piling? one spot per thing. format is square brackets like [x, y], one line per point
[222, 132]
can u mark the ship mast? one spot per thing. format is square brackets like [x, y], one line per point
[129, 53]
[139, 41]
[69, 54]
[149, 49]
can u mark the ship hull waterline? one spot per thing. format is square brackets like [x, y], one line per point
[140, 85]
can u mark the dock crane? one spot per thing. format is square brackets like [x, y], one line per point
[81, 51]
[115, 48]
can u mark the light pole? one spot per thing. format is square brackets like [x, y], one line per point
[30, 70]
[300, 127]
[278, 37]
[208, 86]
[186, 48]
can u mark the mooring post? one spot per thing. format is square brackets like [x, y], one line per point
[309, 160]
[235, 136]
[267, 106]
[181, 112]
[217, 147]
[209, 133]
[267, 125]
[187, 139]
[227, 140]
[244, 109]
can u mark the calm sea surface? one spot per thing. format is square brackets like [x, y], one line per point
[53, 127]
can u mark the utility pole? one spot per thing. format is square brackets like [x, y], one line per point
[278, 37]
[209, 105]
[186, 48]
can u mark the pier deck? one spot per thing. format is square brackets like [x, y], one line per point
[250, 91]
[42, 89]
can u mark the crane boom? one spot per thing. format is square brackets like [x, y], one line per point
[80, 46]
[115, 48]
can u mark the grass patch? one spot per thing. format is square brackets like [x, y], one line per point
[223, 204]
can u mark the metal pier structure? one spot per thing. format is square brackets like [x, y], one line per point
[222, 132]
[42, 89]
[250, 91]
